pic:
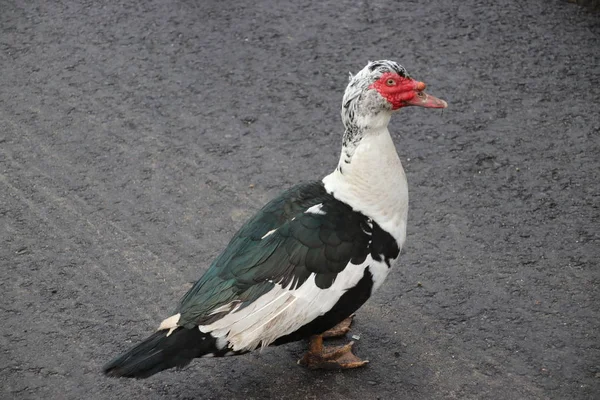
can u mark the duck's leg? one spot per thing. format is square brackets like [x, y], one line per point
[340, 329]
[331, 357]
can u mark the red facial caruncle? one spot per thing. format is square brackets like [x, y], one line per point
[401, 92]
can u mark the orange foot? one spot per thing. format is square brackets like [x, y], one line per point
[340, 329]
[333, 357]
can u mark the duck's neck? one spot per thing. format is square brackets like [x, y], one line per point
[370, 179]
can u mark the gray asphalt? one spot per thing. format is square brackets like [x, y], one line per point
[136, 138]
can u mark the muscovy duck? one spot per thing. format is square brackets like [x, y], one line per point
[309, 258]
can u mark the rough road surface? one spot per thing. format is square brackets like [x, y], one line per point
[136, 137]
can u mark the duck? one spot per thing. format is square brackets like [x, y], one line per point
[311, 257]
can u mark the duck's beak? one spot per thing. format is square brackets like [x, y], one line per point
[422, 99]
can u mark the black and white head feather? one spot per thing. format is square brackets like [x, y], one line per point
[359, 102]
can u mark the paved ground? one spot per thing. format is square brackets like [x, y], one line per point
[135, 139]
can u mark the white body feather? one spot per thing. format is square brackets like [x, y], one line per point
[374, 183]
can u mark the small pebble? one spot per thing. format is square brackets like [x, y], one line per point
[372, 382]
[356, 337]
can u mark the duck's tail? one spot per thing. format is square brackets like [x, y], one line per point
[162, 351]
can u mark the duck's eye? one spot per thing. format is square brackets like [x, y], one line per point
[390, 82]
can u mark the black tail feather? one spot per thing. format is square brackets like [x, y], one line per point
[160, 352]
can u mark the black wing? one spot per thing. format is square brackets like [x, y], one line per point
[284, 243]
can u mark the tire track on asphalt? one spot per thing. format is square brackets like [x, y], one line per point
[48, 154]
[40, 214]
[50, 325]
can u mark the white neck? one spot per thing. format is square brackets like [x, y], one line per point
[374, 182]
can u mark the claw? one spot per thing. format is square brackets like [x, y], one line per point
[333, 357]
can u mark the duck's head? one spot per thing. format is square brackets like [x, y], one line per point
[380, 88]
